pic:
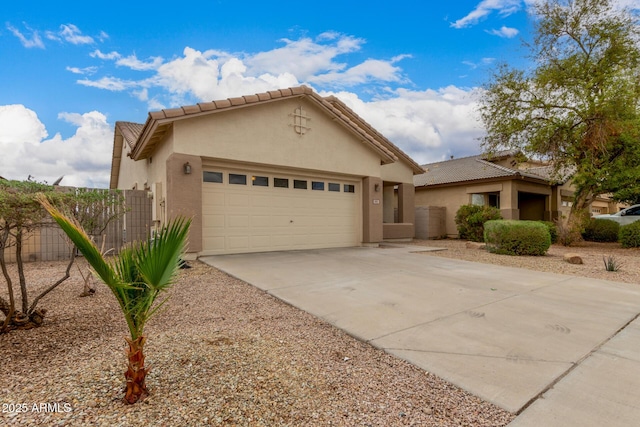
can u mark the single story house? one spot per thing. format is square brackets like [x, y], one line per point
[521, 189]
[280, 170]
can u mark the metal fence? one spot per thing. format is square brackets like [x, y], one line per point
[133, 223]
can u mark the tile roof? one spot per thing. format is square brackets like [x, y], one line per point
[459, 170]
[130, 132]
[474, 168]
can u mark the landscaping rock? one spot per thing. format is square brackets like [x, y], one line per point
[573, 258]
[475, 245]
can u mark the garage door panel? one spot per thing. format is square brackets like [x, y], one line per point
[213, 242]
[235, 200]
[238, 242]
[260, 201]
[248, 218]
[237, 221]
[261, 221]
[258, 241]
[213, 220]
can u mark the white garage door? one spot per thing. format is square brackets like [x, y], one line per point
[256, 211]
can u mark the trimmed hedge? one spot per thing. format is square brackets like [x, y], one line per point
[513, 237]
[553, 230]
[629, 235]
[601, 230]
[470, 220]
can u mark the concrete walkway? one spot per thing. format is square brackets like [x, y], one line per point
[558, 350]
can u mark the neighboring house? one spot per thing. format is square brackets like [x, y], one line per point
[524, 190]
[281, 170]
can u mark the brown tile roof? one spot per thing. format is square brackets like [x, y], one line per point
[130, 132]
[460, 170]
[473, 168]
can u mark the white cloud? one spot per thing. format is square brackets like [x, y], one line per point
[504, 32]
[84, 159]
[369, 70]
[103, 36]
[86, 70]
[629, 4]
[134, 63]
[212, 74]
[305, 58]
[206, 77]
[73, 35]
[428, 125]
[69, 33]
[485, 8]
[483, 62]
[33, 41]
[109, 83]
[107, 56]
[19, 125]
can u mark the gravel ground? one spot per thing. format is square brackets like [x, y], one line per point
[591, 253]
[225, 353]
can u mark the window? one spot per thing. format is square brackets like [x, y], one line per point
[494, 200]
[212, 176]
[317, 185]
[477, 199]
[237, 179]
[301, 184]
[281, 182]
[349, 188]
[260, 181]
[333, 186]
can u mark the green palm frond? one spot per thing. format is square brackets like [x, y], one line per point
[138, 274]
[158, 260]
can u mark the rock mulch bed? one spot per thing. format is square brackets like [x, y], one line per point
[592, 255]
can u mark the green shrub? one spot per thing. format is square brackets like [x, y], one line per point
[611, 263]
[512, 237]
[470, 220]
[601, 230]
[553, 230]
[629, 235]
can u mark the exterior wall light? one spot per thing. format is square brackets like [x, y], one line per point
[376, 187]
[186, 168]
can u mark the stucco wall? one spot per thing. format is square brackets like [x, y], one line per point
[265, 134]
[397, 172]
[450, 198]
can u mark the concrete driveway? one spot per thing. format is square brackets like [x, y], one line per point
[558, 350]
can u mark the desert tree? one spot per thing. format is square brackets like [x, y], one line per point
[20, 215]
[578, 105]
[136, 276]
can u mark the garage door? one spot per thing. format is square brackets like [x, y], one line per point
[255, 211]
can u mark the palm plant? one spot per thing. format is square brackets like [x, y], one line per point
[136, 276]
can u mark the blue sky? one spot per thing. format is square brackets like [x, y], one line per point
[70, 71]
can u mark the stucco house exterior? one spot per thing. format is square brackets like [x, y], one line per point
[521, 189]
[281, 170]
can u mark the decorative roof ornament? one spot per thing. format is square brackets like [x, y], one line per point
[300, 121]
